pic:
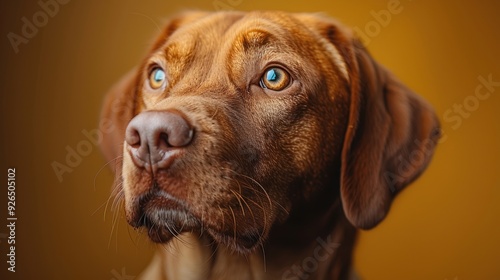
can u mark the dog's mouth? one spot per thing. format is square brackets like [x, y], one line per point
[164, 217]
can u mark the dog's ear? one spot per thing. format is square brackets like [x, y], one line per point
[391, 132]
[120, 104]
[389, 141]
[117, 110]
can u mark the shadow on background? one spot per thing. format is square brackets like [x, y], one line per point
[444, 226]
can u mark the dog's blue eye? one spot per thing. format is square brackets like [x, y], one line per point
[275, 78]
[157, 78]
[271, 75]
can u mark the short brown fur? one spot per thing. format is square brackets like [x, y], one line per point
[269, 174]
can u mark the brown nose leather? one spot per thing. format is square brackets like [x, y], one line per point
[153, 135]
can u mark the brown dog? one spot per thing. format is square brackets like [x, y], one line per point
[254, 144]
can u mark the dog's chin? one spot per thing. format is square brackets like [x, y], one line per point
[165, 217]
[163, 232]
[164, 224]
[175, 223]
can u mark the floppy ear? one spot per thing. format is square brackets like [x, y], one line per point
[389, 142]
[117, 110]
[120, 103]
[391, 132]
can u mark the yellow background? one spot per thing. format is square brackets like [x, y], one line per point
[444, 226]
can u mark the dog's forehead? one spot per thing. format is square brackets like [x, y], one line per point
[217, 43]
[224, 28]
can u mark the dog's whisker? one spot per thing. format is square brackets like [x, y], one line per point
[136, 240]
[222, 215]
[267, 197]
[264, 213]
[148, 17]
[104, 166]
[255, 191]
[257, 183]
[243, 199]
[98, 208]
[115, 192]
[117, 231]
[264, 192]
[202, 225]
[263, 256]
[238, 197]
[234, 221]
[186, 243]
[113, 227]
[171, 248]
[177, 236]
[118, 197]
[114, 219]
[215, 113]
[212, 255]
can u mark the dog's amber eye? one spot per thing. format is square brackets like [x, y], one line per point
[157, 78]
[275, 79]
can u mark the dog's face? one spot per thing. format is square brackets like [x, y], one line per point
[235, 118]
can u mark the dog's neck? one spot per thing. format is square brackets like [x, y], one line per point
[301, 248]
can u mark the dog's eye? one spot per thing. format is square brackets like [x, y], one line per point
[275, 79]
[157, 78]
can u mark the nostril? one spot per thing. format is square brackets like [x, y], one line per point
[133, 138]
[181, 136]
[172, 140]
[164, 141]
[174, 130]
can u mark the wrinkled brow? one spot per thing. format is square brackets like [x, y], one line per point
[255, 38]
[179, 55]
[180, 50]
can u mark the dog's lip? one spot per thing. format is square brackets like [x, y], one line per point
[171, 224]
[164, 217]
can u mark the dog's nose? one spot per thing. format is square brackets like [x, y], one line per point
[154, 136]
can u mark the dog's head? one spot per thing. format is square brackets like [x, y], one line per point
[235, 118]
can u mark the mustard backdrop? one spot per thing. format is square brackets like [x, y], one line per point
[444, 226]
